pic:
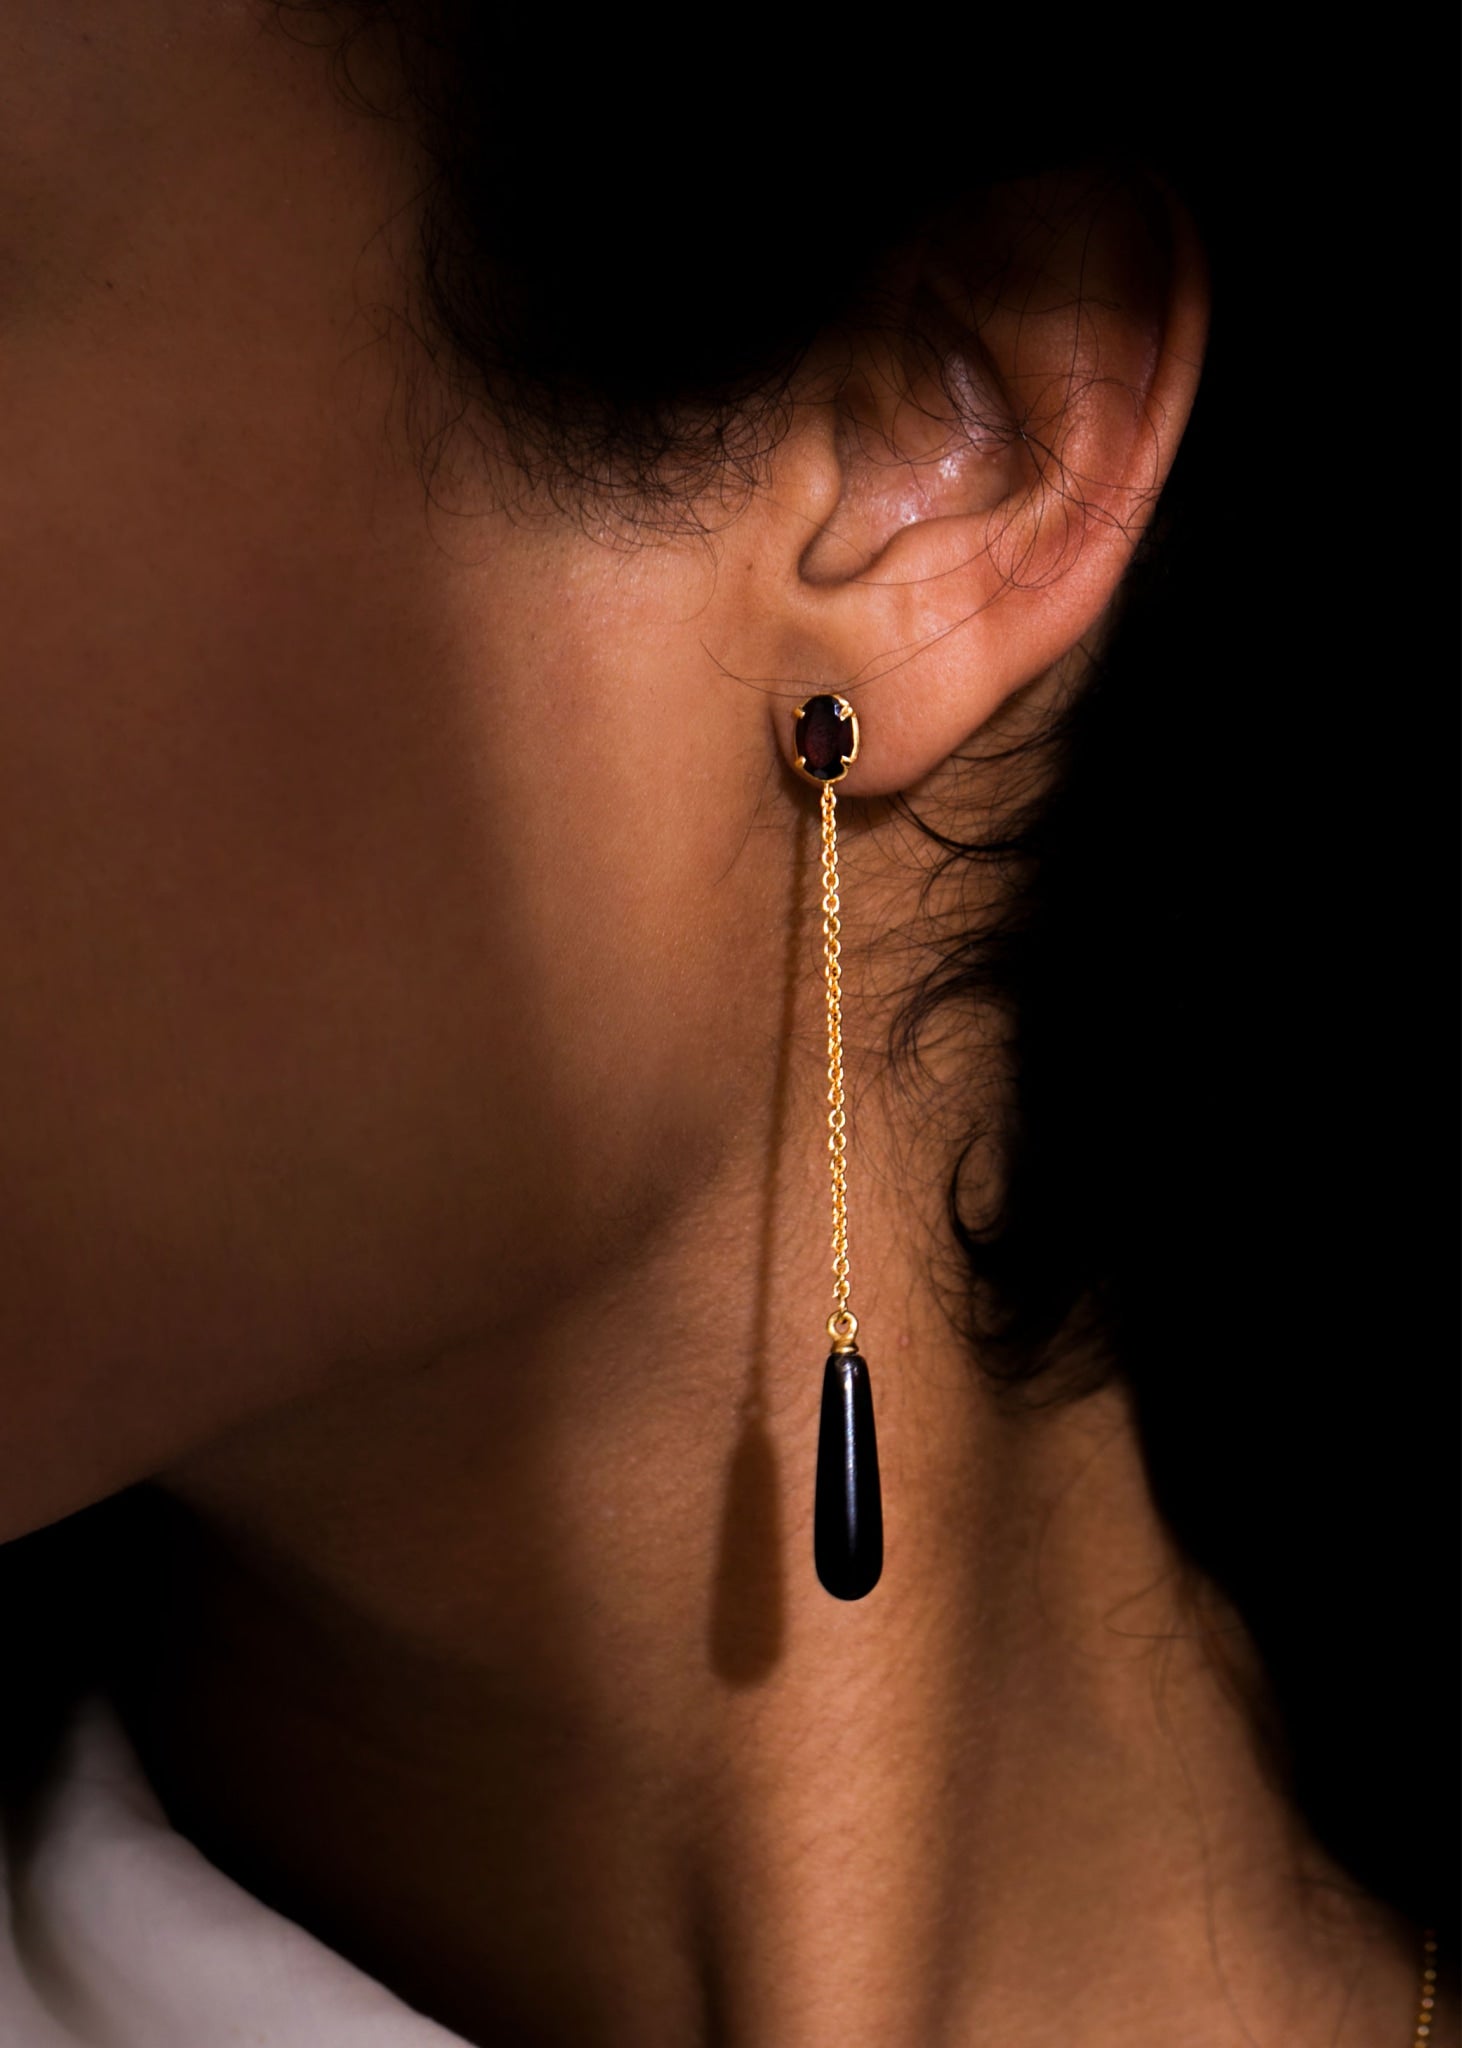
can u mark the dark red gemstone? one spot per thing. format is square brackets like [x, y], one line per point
[824, 738]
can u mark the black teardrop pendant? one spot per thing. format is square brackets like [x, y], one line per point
[847, 1515]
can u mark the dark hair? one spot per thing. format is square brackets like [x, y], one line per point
[1215, 960]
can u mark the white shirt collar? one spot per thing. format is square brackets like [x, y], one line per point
[115, 1932]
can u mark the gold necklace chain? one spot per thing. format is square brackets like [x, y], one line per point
[842, 1324]
[1427, 2000]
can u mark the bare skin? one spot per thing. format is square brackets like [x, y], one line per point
[409, 1149]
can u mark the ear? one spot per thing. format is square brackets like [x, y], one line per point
[959, 499]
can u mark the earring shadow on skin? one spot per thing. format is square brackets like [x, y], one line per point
[748, 1603]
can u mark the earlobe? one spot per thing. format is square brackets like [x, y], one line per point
[973, 506]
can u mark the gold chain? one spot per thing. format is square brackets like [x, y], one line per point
[1426, 2004]
[842, 1324]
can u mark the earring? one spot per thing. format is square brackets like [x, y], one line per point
[847, 1520]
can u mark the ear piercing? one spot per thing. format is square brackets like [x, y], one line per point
[847, 1503]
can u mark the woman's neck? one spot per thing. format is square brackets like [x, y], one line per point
[512, 1679]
